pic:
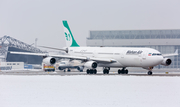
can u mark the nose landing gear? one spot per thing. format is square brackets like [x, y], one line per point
[150, 72]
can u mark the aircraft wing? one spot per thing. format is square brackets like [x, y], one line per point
[171, 54]
[56, 56]
[69, 57]
[102, 59]
[105, 60]
[28, 53]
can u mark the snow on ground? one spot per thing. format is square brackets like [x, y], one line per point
[89, 91]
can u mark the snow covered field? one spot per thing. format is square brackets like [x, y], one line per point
[89, 91]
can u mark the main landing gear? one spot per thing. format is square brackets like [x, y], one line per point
[106, 70]
[123, 71]
[91, 71]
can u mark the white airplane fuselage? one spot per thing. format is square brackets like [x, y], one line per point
[124, 56]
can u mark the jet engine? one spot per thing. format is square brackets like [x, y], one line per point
[166, 62]
[91, 64]
[49, 60]
[80, 68]
[60, 68]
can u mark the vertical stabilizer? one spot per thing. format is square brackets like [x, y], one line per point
[70, 41]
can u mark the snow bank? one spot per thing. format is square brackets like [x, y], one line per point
[89, 91]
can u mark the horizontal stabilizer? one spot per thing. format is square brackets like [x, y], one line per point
[171, 54]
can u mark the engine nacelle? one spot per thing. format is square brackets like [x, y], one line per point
[49, 60]
[80, 68]
[91, 64]
[60, 68]
[166, 62]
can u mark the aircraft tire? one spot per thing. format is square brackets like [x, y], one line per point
[91, 71]
[95, 71]
[149, 72]
[126, 71]
[87, 71]
[107, 71]
[104, 71]
[119, 71]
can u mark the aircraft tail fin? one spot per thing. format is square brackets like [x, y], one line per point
[70, 41]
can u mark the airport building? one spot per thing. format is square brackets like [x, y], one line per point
[166, 41]
[8, 43]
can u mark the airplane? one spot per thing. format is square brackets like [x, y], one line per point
[107, 57]
[71, 64]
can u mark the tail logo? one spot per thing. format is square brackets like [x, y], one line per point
[70, 42]
[68, 36]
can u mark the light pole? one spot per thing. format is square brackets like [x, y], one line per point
[36, 42]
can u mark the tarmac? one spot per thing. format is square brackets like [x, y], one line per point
[75, 72]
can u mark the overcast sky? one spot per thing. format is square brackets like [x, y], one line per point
[26, 20]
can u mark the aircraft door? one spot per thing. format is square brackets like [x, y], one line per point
[144, 55]
[123, 54]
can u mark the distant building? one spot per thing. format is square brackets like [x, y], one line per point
[27, 59]
[8, 43]
[11, 65]
[166, 41]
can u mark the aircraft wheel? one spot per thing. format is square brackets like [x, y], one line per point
[91, 71]
[104, 71]
[95, 71]
[126, 71]
[122, 71]
[149, 72]
[88, 71]
[119, 71]
[107, 71]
